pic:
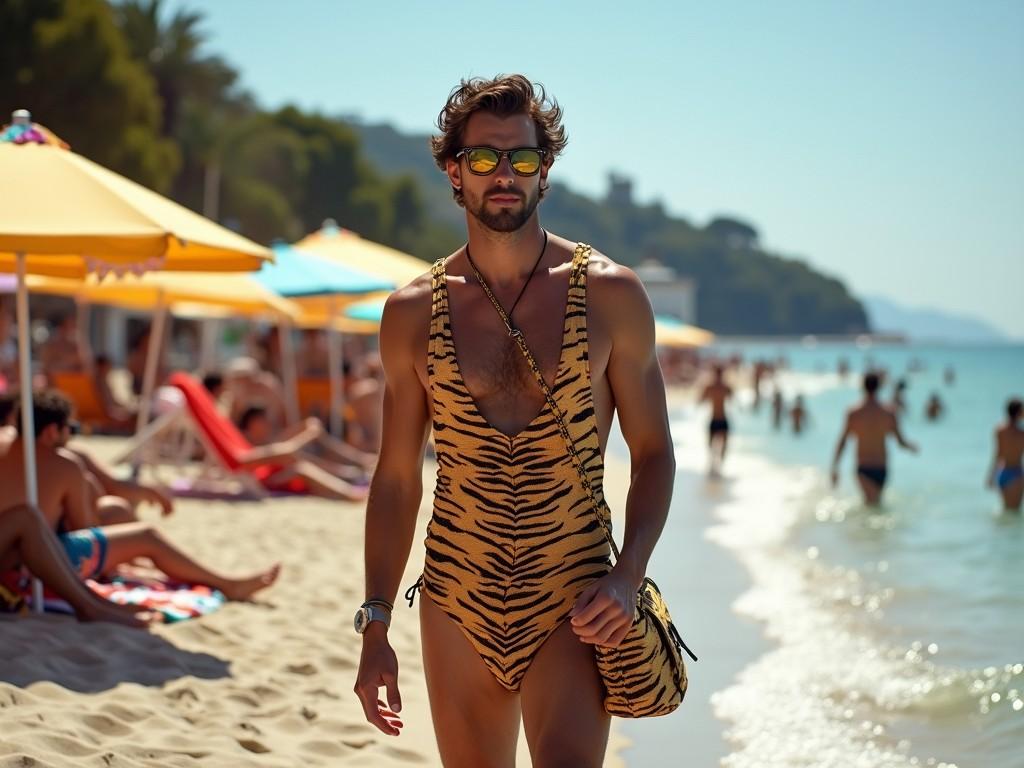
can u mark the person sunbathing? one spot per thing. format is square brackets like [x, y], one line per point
[118, 417]
[26, 540]
[93, 549]
[289, 464]
[116, 500]
[113, 500]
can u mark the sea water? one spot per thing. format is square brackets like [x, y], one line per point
[896, 635]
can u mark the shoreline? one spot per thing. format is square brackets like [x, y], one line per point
[702, 580]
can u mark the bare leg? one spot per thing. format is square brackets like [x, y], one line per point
[321, 482]
[476, 720]
[344, 471]
[114, 510]
[1012, 495]
[872, 491]
[342, 451]
[562, 694]
[127, 542]
[23, 530]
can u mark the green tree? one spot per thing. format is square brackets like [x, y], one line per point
[67, 62]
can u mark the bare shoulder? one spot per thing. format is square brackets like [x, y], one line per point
[408, 307]
[617, 292]
[613, 280]
[405, 326]
[65, 466]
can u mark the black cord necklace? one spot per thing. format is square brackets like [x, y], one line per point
[529, 277]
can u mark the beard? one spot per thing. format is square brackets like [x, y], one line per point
[504, 219]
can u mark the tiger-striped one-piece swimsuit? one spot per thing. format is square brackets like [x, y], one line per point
[513, 539]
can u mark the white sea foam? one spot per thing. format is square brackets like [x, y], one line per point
[831, 694]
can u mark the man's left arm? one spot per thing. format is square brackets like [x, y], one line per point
[134, 492]
[604, 611]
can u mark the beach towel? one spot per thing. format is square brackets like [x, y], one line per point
[175, 602]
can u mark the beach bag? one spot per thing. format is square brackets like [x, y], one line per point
[645, 676]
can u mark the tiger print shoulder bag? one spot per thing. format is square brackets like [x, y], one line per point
[645, 675]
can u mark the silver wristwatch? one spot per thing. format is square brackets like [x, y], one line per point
[371, 612]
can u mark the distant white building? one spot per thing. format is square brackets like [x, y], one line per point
[670, 294]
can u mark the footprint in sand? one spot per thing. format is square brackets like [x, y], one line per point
[301, 669]
[340, 662]
[253, 746]
[324, 748]
[358, 743]
[107, 726]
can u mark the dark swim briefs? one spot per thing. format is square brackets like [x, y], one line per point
[876, 475]
[718, 425]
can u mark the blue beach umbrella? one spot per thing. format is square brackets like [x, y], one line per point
[371, 310]
[296, 275]
[321, 287]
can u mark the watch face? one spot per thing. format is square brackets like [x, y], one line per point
[361, 620]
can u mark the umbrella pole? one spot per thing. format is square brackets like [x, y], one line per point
[153, 355]
[334, 367]
[291, 385]
[28, 427]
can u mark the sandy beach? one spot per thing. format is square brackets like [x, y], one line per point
[261, 684]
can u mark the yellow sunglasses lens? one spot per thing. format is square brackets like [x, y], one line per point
[482, 160]
[525, 162]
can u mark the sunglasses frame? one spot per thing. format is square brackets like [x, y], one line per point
[502, 154]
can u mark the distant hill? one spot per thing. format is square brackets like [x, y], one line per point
[741, 289]
[920, 324]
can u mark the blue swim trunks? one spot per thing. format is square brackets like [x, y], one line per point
[1008, 476]
[87, 551]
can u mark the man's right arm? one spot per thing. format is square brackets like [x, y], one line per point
[396, 490]
[847, 428]
[904, 443]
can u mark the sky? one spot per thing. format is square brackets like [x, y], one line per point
[883, 142]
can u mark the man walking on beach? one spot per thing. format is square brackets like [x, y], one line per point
[1007, 471]
[871, 423]
[717, 393]
[517, 587]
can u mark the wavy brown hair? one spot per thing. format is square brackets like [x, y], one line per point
[504, 95]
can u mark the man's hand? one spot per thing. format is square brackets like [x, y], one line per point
[378, 668]
[605, 610]
[158, 497]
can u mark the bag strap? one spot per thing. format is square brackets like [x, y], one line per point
[604, 520]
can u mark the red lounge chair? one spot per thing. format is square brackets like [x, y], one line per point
[224, 446]
[223, 439]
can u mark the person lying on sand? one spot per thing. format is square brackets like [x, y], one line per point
[288, 464]
[26, 540]
[94, 549]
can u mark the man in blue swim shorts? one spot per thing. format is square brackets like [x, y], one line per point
[1007, 471]
[69, 510]
[87, 551]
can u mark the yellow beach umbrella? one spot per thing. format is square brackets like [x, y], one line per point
[348, 248]
[67, 216]
[70, 216]
[224, 294]
[670, 332]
